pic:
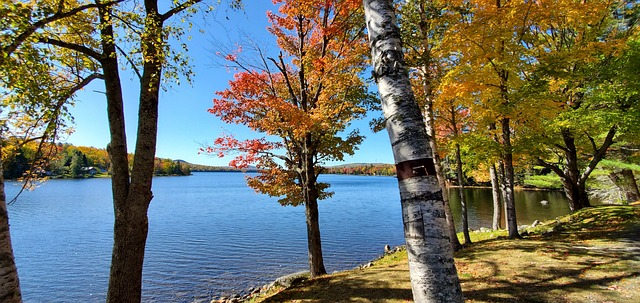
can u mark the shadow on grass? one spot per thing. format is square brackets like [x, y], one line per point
[585, 260]
[362, 288]
[546, 271]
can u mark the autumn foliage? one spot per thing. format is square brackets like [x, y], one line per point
[303, 99]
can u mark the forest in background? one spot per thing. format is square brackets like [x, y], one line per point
[69, 161]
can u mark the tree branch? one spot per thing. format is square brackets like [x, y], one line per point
[9, 49]
[78, 48]
[133, 65]
[179, 8]
[552, 167]
[599, 153]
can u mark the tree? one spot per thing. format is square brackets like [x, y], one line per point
[586, 60]
[34, 96]
[76, 165]
[305, 98]
[152, 59]
[422, 27]
[433, 273]
[455, 125]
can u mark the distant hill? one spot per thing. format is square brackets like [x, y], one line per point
[367, 169]
[209, 168]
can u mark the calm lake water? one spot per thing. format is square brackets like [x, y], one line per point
[209, 234]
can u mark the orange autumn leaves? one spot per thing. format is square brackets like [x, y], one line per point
[303, 98]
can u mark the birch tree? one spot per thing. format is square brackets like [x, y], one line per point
[432, 269]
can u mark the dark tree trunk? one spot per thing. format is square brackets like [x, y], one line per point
[626, 182]
[495, 191]
[314, 241]
[131, 200]
[9, 282]
[574, 182]
[431, 266]
[310, 195]
[574, 187]
[508, 194]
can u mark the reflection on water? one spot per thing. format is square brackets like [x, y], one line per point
[528, 206]
[210, 235]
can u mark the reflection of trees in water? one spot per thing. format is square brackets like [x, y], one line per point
[528, 206]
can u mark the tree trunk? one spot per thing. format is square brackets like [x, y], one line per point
[314, 241]
[508, 195]
[9, 282]
[495, 191]
[310, 195]
[131, 200]
[433, 273]
[433, 144]
[574, 187]
[460, 177]
[451, 226]
[463, 203]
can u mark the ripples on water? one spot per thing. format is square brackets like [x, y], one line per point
[208, 235]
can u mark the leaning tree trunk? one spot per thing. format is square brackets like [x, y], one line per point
[432, 269]
[310, 195]
[508, 194]
[495, 191]
[463, 202]
[9, 282]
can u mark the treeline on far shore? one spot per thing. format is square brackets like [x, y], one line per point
[70, 161]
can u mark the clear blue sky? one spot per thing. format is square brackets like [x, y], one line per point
[184, 123]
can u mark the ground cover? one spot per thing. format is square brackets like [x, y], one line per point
[590, 256]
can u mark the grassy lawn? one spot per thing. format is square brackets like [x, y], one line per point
[590, 256]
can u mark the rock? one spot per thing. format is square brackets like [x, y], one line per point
[387, 248]
[366, 265]
[535, 223]
[544, 202]
[288, 280]
[484, 229]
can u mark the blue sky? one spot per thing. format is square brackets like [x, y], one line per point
[184, 123]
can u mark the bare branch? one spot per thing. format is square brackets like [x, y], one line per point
[133, 65]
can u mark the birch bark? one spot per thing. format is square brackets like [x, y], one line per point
[9, 282]
[433, 273]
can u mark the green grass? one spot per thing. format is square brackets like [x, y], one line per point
[584, 257]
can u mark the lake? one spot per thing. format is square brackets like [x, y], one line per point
[209, 234]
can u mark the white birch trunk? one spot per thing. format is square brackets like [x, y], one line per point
[433, 273]
[9, 282]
